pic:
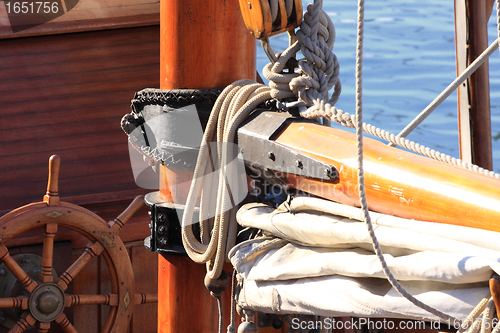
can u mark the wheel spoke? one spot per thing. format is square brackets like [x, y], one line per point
[140, 298]
[92, 250]
[18, 272]
[20, 302]
[42, 327]
[48, 253]
[134, 206]
[65, 324]
[26, 321]
[106, 299]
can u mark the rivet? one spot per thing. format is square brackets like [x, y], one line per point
[161, 217]
[329, 173]
[162, 229]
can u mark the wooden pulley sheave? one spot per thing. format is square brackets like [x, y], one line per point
[258, 17]
[42, 293]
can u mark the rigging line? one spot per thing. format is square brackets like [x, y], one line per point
[361, 179]
[451, 88]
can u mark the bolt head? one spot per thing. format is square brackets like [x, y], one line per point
[162, 229]
[47, 302]
[329, 173]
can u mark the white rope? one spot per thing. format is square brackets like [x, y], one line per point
[218, 234]
[315, 40]
[481, 318]
[361, 178]
[320, 109]
[308, 85]
[274, 6]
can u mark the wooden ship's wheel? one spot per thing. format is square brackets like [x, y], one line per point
[43, 297]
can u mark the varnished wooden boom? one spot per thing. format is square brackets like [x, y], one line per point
[397, 182]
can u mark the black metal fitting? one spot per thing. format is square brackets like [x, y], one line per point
[165, 227]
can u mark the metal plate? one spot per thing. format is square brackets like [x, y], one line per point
[256, 139]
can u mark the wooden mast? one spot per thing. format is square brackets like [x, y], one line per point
[471, 37]
[204, 45]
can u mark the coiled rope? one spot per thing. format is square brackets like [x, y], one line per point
[218, 234]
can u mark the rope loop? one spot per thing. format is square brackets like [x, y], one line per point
[320, 68]
[318, 72]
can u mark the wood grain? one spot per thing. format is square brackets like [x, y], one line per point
[90, 15]
[145, 265]
[87, 318]
[397, 182]
[65, 95]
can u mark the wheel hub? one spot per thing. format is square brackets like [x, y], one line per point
[46, 302]
[10, 287]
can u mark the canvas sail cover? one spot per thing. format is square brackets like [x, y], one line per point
[324, 264]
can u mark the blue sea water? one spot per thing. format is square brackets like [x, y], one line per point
[409, 59]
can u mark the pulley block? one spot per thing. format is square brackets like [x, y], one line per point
[258, 18]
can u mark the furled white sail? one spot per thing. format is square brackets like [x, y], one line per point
[323, 264]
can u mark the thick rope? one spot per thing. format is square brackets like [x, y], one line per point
[315, 40]
[480, 318]
[305, 86]
[274, 6]
[218, 234]
[320, 109]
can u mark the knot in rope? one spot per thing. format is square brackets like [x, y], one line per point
[278, 79]
[320, 68]
[318, 72]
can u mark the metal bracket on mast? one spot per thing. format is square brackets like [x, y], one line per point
[256, 138]
[165, 226]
